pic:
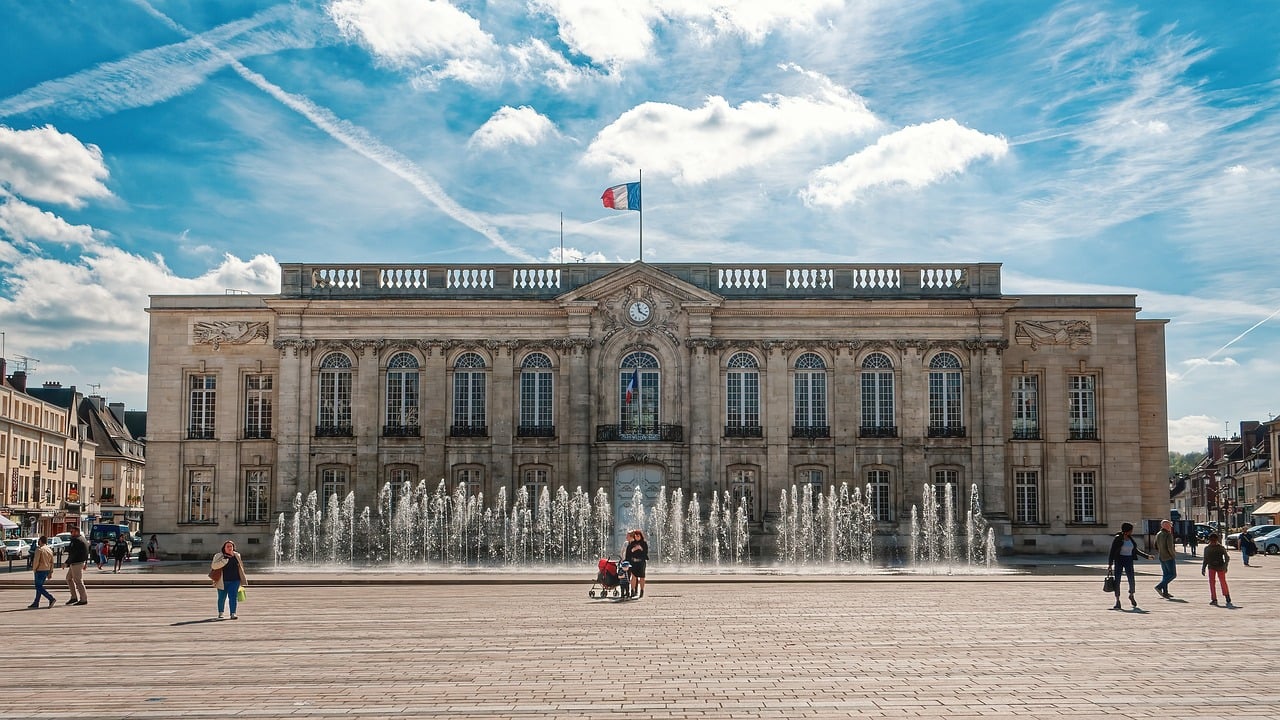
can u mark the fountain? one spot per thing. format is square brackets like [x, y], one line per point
[432, 528]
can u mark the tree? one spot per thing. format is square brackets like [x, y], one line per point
[1184, 463]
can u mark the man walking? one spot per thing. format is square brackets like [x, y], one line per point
[1168, 560]
[77, 559]
[43, 568]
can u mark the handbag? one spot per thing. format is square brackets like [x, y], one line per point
[240, 595]
[215, 574]
[1109, 583]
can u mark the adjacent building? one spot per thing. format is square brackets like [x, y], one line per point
[729, 378]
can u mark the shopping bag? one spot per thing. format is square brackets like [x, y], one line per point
[1109, 583]
[240, 594]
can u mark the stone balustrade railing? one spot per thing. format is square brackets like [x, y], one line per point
[737, 280]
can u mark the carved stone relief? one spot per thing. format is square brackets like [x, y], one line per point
[229, 332]
[1072, 333]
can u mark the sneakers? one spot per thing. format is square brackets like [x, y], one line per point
[233, 616]
[219, 616]
[1213, 601]
[1229, 602]
[52, 601]
[34, 606]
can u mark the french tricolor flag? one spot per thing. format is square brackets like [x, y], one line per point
[622, 197]
[633, 385]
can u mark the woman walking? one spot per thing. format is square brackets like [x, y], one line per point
[1215, 561]
[120, 552]
[229, 569]
[1123, 548]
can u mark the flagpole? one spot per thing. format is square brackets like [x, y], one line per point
[562, 239]
[641, 181]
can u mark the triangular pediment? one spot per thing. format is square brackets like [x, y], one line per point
[640, 279]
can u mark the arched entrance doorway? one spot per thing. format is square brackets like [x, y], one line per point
[635, 492]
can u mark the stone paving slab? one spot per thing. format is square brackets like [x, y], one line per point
[1007, 646]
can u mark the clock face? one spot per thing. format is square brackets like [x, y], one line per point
[639, 311]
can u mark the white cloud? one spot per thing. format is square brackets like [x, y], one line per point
[617, 33]
[47, 165]
[694, 145]
[915, 156]
[1189, 433]
[405, 33]
[513, 126]
[26, 223]
[102, 297]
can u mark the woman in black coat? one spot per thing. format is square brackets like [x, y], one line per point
[1123, 548]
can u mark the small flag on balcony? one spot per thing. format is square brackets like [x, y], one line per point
[622, 197]
[633, 385]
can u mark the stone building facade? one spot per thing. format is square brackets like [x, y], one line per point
[706, 377]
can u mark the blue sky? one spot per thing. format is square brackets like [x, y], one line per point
[162, 146]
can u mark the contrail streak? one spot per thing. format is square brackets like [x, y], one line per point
[1233, 341]
[359, 140]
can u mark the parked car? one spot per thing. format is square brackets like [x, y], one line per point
[58, 543]
[16, 549]
[1269, 543]
[1255, 532]
[1203, 531]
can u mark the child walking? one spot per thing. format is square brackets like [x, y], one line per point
[1215, 561]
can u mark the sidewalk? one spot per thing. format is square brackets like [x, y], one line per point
[757, 646]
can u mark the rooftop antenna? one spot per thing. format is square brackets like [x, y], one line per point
[94, 387]
[25, 363]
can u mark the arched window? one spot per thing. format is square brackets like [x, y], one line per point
[638, 396]
[537, 397]
[810, 397]
[469, 396]
[742, 396]
[334, 415]
[402, 396]
[946, 416]
[877, 397]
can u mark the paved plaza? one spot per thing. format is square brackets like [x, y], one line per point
[1039, 645]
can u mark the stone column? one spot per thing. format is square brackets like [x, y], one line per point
[503, 407]
[703, 424]
[913, 414]
[987, 408]
[367, 408]
[777, 399]
[436, 413]
[292, 421]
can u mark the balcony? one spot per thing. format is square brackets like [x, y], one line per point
[536, 431]
[1083, 434]
[1025, 433]
[200, 432]
[627, 432]
[878, 431]
[257, 433]
[946, 431]
[811, 431]
[743, 431]
[334, 431]
[469, 431]
[401, 431]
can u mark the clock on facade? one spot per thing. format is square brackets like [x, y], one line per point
[639, 311]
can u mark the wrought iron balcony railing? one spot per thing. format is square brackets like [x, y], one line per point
[1083, 434]
[536, 431]
[334, 431]
[257, 433]
[878, 431]
[200, 432]
[946, 431]
[810, 431]
[1025, 433]
[743, 431]
[469, 431]
[627, 432]
[401, 431]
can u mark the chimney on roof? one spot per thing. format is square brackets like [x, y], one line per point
[52, 385]
[19, 380]
[97, 402]
[117, 411]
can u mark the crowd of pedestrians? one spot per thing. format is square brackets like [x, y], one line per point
[1214, 564]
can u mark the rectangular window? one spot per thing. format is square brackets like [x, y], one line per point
[1026, 496]
[811, 399]
[944, 399]
[878, 494]
[743, 399]
[468, 399]
[742, 490]
[335, 399]
[333, 481]
[810, 479]
[535, 481]
[257, 406]
[199, 496]
[257, 496]
[946, 482]
[1082, 407]
[201, 404]
[877, 399]
[402, 398]
[469, 481]
[1083, 497]
[1026, 407]
[535, 398]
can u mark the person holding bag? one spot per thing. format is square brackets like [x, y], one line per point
[1123, 549]
[229, 577]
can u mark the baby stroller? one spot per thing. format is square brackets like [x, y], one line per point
[613, 580]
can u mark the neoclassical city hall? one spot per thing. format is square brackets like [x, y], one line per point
[728, 378]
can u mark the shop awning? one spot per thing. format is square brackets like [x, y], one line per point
[7, 524]
[1269, 508]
